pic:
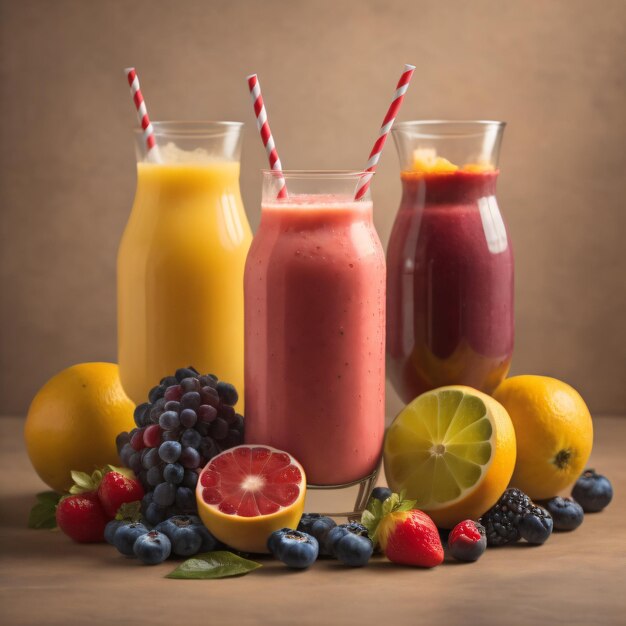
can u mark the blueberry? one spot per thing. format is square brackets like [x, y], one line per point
[294, 548]
[342, 530]
[154, 514]
[152, 548]
[467, 541]
[354, 550]
[209, 542]
[173, 473]
[183, 534]
[381, 493]
[188, 418]
[164, 494]
[169, 420]
[317, 526]
[142, 414]
[190, 458]
[191, 438]
[592, 491]
[185, 499]
[126, 535]
[109, 530]
[169, 451]
[227, 392]
[190, 479]
[566, 513]
[536, 526]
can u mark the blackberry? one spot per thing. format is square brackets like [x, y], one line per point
[502, 521]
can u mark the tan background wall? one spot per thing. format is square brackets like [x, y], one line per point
[555, 70]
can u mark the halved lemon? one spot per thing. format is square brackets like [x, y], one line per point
[453, 450]
[246, 493]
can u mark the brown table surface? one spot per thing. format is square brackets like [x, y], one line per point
[575, 578]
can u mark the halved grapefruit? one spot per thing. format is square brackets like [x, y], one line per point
[246, 493]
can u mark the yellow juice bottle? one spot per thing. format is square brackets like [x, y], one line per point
[181, 260]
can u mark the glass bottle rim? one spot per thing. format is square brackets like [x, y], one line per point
[462, 128]
[192, 128]
[314, 174]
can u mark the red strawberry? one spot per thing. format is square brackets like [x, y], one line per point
[410, 538]
[82, 518]
[116, 489]
[406, 535]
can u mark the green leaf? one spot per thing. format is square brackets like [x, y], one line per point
[129, 511]
[219, 564]
[377, 510]
[43, 513]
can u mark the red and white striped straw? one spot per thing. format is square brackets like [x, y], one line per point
[152, 150]
[266, 133]
[390, 118]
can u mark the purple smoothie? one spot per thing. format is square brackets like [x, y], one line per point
[449, 285]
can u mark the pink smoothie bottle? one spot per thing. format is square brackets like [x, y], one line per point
[449, 261]
[314, 293]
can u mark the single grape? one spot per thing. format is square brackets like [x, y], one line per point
[136, 440]
[188, 418]
[209, 396]
[228, 413]
[155, 476]
[190, 458]
[173, 393]
[174, 473]
[164, 494]
[219, 429]
[168, 381]
[169, 420]
[150, 458]
[207, 381]
[185, 499]
[207, 413]
[154, 513]
[141, 414]
[134, 462]
[191, 438]
[190, 400]
[228, 393]
[172, 405]
[185, 372]
[190, 479]
[155, 393]
[170, 435]
[125, 453]
[190, 384]
[152, 436]
[169, 451]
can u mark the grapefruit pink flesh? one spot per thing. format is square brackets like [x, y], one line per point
[251, 481]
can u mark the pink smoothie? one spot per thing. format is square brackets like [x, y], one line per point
[314, 290]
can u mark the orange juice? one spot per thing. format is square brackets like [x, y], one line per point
[180, 274]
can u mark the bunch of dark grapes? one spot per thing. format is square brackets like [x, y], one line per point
[188, 420]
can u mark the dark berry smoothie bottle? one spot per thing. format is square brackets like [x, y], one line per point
[449, 261]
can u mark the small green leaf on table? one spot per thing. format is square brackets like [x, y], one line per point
[43, 513]
[218, 564]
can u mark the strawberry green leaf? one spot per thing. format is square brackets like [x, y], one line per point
[43, 513]
[120, 470]
[219, 564]
[129, 511]
[377, 510]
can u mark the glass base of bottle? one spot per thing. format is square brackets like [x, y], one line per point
[348, 500]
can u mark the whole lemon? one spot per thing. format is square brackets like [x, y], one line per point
[73, 421]
[553, 430]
